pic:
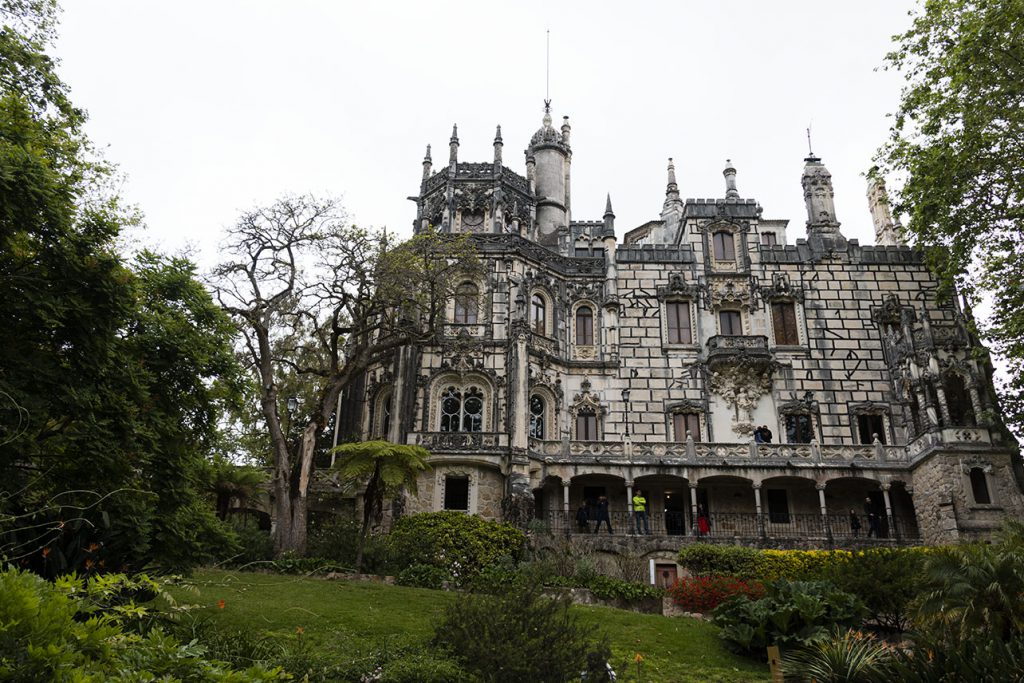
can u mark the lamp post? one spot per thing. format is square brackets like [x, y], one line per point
[291, 404]
[625, 400]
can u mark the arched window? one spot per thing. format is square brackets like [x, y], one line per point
[538, 314]
[466, 304]
[586, 426]
[724, 246]
[385, 423]
[979, 487]
[584, 326]
[537, 417]
[462, 411]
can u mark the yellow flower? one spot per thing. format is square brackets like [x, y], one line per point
[638, 658]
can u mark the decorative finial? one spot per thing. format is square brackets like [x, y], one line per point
[427, 159]
[455, 133]
[730, 179]
[497, 134]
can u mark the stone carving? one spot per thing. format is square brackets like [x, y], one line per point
[780, 288]
[742, 385]
[736, 290]
[678, 287]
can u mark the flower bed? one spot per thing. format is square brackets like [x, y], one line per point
[704, 593]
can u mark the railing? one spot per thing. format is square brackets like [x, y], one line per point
[697, 452]
[743, 525]
[462, 441]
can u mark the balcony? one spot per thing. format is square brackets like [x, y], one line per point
[748, 351]
[447, 442]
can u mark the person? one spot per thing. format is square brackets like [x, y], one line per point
[703, 526]
[640, 509]
[854, 523]
[759, 435]
[583, 519]
[766, 434]
[874, 525]
[602, 515]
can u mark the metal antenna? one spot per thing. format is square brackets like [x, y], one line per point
[810, 152]
[547, 71]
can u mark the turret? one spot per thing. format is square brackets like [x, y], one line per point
[550, 152]
[427, 165]
[498, 144]
[822, 227]
[887, 233]
[453, 146]
[609, 218]
[730, 180]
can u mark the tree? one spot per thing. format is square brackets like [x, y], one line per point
[319, 302]
[386, 469]
[957, 143]
[114, 372]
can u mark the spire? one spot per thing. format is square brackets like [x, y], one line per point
[608, 230]
[498, 144]
[672, 199]
[453, 145]
[608, 207]
[886, 230]
[822, 226]
[730, 180]
[427, 164]
[565, 130]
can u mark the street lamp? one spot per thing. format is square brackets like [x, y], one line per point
[292, 404]
[625, 399]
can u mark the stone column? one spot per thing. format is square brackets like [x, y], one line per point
[888, 507]
[824, 509]
[757, 507]
[629, 506]
[693, 507]
[520, 408]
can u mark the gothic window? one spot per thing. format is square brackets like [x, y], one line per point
[586, 426]
[584, 326]
[466, 304]
[686, 422]
[462, 411]
[778, 506]
[724, 246]
[784, 323]
[456, 492]
[678, 322]
[958, 401]
[768, 239]
[537, 417]
[799, 428]
[979, 487]
[730, 323]
[538, 314]
[385, 423]
[870, 425]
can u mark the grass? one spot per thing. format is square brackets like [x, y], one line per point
[353, 621]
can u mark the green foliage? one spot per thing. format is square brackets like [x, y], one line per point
[423, 576]
[845, 656]
[887, 580]
[792, 613]
[50, 632]
[702, 594]
[932, 658]
[459, 543]
[612, 589]
[957, 144]
[290, 563]
[116, 372]
[708, 559]
[254, 545]
[517, 636]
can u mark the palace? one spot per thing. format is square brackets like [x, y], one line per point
[753, 386]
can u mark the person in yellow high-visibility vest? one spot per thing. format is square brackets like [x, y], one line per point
[640, 511]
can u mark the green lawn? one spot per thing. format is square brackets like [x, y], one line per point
[354, 620]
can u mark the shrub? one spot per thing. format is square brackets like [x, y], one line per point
[292, 564]
[518, 636]
[705, 593]
[617, 589]
[423, 667]
[51, 631]
[423, 576]
[792, 613]
[708, 559]
[887, 580]
[254, 544]
[845, 655]
[936, 657]
[456, 542]
[797, 565]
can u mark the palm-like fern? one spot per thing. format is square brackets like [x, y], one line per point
[844, 657]
[385, 468]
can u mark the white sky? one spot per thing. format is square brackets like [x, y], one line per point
[213, 107]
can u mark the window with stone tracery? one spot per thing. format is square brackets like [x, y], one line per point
[537, 409]
[538, 314]
[466, 304]
[462, 410]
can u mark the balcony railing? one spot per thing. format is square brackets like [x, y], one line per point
[768, 526]
[724, 348]
[462, 441]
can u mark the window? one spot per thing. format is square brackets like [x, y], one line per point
[462, 412]
[979, 487]
[868, 426]
[456, 492]
[958, 401]
[768, 239]
[584, 326]
[730, 323]
[678, 322]
[385, 423]
[686, 422]
[799, 429]
[466, 303]
[724, 246]
[586, 426]
[538, 315]
[784, 323]
[536, 417]
[778, 506]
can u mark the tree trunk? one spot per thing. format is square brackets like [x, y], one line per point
[369, 504]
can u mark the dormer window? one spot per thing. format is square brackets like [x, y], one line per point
[724, 246]
[768, 239]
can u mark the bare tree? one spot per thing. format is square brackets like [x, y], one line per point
[320, 301]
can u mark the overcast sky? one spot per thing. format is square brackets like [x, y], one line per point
[211, 107]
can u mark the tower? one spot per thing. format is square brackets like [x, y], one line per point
[886, 231]
[551, 155]
[822, 227]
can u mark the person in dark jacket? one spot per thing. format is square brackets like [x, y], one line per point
[602, 514]
[583, 519]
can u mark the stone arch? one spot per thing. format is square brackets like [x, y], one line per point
[549, 413]
[460, 381]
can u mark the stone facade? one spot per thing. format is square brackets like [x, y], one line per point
[585, 364]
